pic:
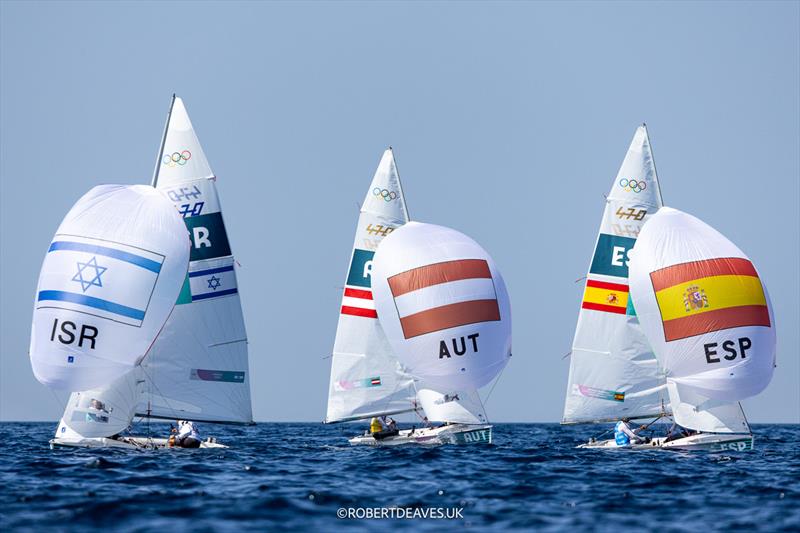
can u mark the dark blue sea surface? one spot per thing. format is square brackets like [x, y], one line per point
[298, 476]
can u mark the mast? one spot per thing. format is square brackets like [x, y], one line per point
[163, 142]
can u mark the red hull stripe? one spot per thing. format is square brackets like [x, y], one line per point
[357, 311]
[429, 275]
[731, 317]
[605, 308]
[723, 266]
[358, 293]
[606, 285]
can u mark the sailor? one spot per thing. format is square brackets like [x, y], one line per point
[623, 434]
[392, 425]
[188, 436]
[375, 426]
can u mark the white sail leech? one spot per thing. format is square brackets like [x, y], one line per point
[366, 378]
[613, 371]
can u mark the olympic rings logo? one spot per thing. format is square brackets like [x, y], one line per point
[177, 158]
[384, 193]
[632, 185]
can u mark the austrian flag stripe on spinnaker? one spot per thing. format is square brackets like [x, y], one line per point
[709, 295]
[426, 301]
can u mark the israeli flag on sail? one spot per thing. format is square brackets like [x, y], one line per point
[207, 281]
[98, 277]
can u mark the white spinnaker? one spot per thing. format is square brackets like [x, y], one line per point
[198, 367]
[456, 407]
[366, 377]
[613, 371]
[104, 411]
[703, 308]
[443, 305]
[108, 283]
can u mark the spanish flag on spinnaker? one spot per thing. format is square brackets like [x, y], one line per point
[704, 309]
[711, 295]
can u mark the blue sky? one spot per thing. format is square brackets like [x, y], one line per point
[509, 122]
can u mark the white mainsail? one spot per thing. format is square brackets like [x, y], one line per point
[366, 377]
[707, 315]
[613, 371]
[198, 366]
[107, 285]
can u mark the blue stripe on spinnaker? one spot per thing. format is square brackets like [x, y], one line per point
[210, 271]
[134, 259]
[213, 294]
[89, 301]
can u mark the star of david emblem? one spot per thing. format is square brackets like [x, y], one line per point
[213, 282]
[89, 274]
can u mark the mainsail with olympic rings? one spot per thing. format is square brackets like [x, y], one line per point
[613, 371]
[198, 367]
[366, 377]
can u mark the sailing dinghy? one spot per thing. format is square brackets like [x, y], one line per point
[197, 367]
[444, 308]
[708, 317]
[367, 377]
[619, 368]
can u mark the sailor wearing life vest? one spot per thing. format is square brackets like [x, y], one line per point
[188, 436]
[623, 434]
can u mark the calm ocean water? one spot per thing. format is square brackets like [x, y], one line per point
[297, 476]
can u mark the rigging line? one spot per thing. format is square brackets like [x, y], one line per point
[493, 386]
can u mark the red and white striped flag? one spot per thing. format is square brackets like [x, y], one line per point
[444, 295]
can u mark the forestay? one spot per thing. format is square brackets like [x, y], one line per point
[108, 283]
[613, 372]
[366, 377]
[198, 367]
[443, 305]
[705, 311]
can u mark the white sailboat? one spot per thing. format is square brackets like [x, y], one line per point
[367, 378]
[197, 367]
[619, 369]
[708, 317]
[614, 373]
[108, 284]
[444, 308]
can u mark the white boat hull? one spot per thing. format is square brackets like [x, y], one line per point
[713, 442]
[129, 443]
[450, 434]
